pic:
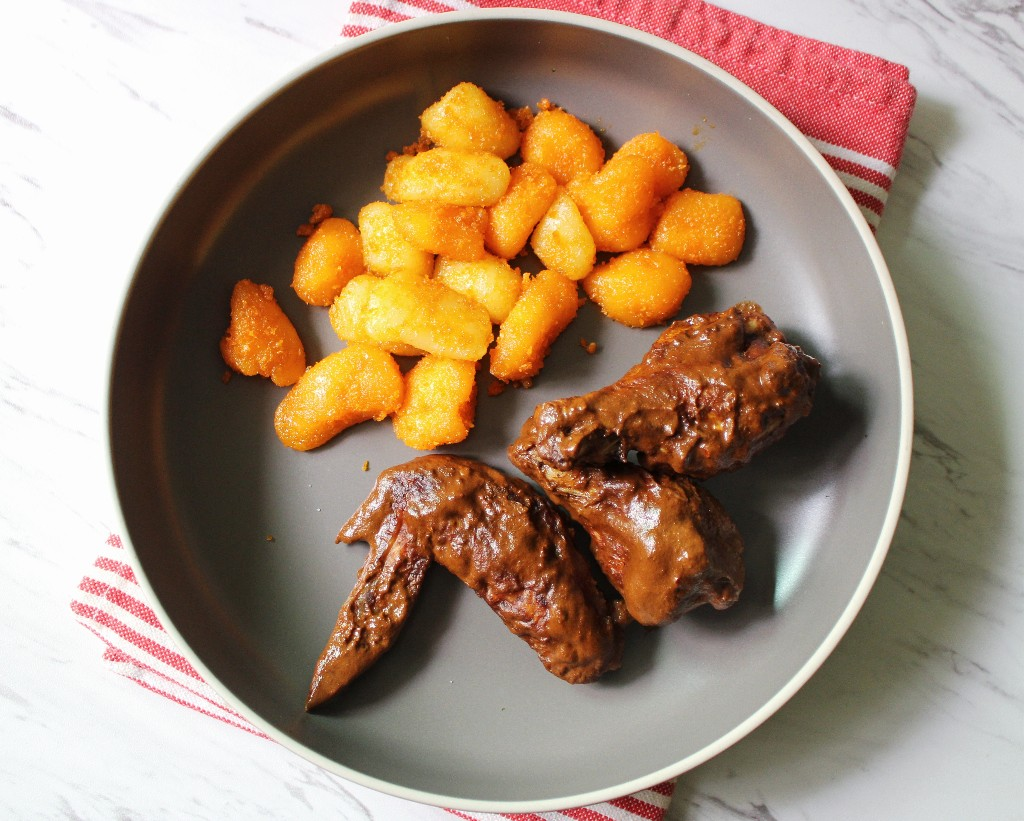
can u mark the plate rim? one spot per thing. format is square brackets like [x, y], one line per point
[900, 472]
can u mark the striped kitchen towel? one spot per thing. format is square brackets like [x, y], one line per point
[110, 603]
[854, 107]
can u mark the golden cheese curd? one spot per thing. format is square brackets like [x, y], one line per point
[260, 339]
[328, 259]
[617, 203]
[701, 228]
[491, 281]
[531, 190]
[447, 175]
[670, 163]
[639, 288]
[563, 144]
[468, 118]
[356, 384]
[348, 315]
[439, 405]
[562, 241]
[385, 249]
[428, 315]
[548, 304]
[456, 231]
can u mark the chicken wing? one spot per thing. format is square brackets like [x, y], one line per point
[713, 390]
[495, 533]
[374, 612]
[664, 542]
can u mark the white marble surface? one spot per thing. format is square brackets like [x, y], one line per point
[919, 714]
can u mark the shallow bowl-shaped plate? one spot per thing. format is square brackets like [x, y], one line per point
[460, 712]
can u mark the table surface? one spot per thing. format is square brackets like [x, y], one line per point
[919, 713]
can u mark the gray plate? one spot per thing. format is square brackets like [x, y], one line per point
[461, 713]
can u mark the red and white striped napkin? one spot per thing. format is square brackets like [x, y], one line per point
[854, 107]
[110, 603]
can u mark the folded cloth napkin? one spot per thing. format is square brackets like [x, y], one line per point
[110, 603]
[854, 107]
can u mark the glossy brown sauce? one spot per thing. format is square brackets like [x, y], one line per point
[496, 534]
[664, 542]
[713, 390]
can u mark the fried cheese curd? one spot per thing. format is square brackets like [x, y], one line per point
[455, 231]
[447, 175]
[548, 304]
[431, 271]
[350, 313]
[530, 193]
[260, 339]
[331, 256]
[670, 163]
[639, 288]
[385, 249]
[491, 281]
[358, 383]
[428, 315]
[439, 405]
[562, 241]
[467, 118]
[617, 203]
[701, 228]
[561, 143]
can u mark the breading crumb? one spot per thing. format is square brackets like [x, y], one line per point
[321, 211]
[523, 117]
[424, 143]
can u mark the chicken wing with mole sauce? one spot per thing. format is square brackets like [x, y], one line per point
[712, 391]
[495, 533]
[665, 543]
